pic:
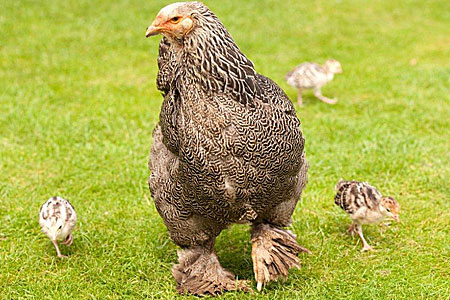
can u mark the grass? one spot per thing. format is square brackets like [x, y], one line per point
[78, 103]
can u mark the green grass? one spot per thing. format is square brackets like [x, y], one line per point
[78, 104]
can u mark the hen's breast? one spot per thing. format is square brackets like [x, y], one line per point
[167, 65]
[234, 161]
[236, 156]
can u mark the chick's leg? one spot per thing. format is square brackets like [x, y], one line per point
[299, 97]
[318, 94]
[366, 246]
[351, 229]
[68, 241]
[55, 243]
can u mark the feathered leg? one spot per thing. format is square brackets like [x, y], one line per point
[274, 252]
[199, 273]
[198, 270]
[318, 94]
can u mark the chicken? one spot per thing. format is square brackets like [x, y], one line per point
[313, 76]
[365, 205]
[57, 218]
[228, 149]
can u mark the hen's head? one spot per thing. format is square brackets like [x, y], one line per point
[206, 50]
[176, 20]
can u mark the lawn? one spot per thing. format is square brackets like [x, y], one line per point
[78, 103]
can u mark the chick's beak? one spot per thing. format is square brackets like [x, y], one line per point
[397, 218]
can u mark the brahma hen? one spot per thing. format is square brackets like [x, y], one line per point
[228, 149]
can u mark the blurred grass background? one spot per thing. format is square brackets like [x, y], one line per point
[78, 103]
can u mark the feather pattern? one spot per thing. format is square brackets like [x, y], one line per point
[353, 195]
[56, 212]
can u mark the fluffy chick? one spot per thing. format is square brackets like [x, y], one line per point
[313, 76]
[365, 205]
[57, 218]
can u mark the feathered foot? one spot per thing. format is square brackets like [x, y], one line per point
[274, 252]
[68, 241]
[200, 273]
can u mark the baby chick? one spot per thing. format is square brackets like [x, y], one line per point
[365, 205]
[313, 76]
[57, 218]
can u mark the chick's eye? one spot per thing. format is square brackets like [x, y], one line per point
[388, 210]
[60, 227]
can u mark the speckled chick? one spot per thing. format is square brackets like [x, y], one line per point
[57, 218]
[365, 205]
[313, 76]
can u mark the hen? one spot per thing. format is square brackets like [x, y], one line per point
[228, 149]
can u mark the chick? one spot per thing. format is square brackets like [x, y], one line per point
[313, 76]
[57, 218]
[365, 205]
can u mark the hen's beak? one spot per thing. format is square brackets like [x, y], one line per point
[155, 28]
[152, 30]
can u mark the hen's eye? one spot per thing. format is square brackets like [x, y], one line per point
[175, 19]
